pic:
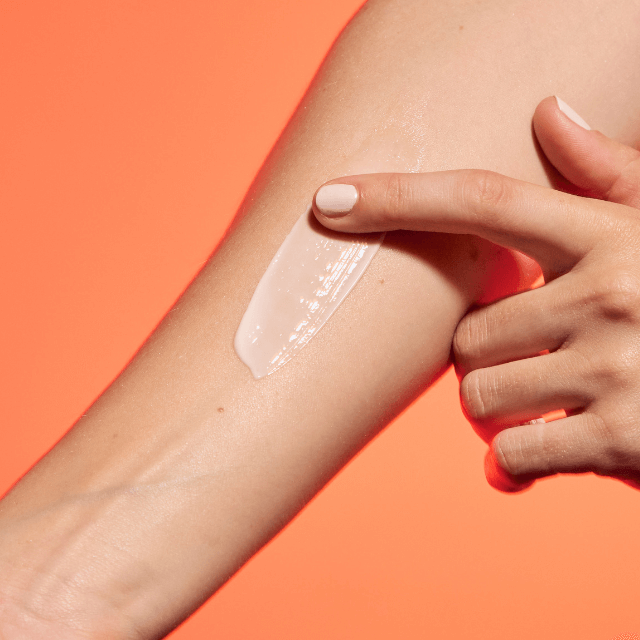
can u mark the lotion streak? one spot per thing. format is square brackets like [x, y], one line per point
[307, 280]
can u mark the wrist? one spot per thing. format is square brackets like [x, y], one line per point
[32, 617]
[50, 588]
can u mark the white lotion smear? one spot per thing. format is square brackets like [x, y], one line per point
[307, 280]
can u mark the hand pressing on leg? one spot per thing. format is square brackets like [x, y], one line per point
[573, 344]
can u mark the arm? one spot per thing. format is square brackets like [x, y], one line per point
[155, 451]
[569, 346]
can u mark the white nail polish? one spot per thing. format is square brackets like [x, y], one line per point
[336, 199]
[571, 114]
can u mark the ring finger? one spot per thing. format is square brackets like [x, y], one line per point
[513, 393]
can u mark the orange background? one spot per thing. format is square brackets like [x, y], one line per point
[129, 132]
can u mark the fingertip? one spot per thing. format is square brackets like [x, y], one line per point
[501, 479]
[587, 158]
[559, 130]
[335, 200]
[545, 110]
[355, 204]
[554, 111]
[568, 111]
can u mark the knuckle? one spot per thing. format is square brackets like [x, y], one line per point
[626, 188]
[522, 451]
[485, 192]
[464, 341]
[595, 372]
[617, 295]
[617, 370]
[508, 451]
[628, 362]
[470, 338]
[397, 192]
[475, 394]
[610, 370]
[617, 439]
[528, 450]
[611, 374]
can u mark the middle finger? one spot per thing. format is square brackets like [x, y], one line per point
[516, 327]
[516, 392]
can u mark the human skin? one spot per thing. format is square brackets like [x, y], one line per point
[156, 496]
[571, 345]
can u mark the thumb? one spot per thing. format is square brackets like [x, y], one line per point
[602, 168]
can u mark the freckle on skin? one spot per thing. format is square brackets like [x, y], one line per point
[381, 280]
[461, 27]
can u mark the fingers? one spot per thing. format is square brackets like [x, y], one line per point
[588, 318]
[520, 391]
[601, 167]
[502, 480]
[575, 444]
[516, 327]
[554, 228]
[581, 443]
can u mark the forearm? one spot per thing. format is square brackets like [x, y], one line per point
[187, 465]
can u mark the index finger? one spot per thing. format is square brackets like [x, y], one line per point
[554, 228]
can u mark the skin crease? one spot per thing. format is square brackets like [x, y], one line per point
[123, 537]
[572, 345]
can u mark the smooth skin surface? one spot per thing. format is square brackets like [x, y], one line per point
[586, 319]
[156, 496]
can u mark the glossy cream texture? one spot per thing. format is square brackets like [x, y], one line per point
[310, 275]
[315, 268]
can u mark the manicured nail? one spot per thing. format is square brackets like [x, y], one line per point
[571, 114]
[335, 200]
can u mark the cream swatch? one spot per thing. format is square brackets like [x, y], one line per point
[310, 275]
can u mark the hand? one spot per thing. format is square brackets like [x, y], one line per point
[573, 344]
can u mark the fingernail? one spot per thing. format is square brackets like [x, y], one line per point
[571, 114]
[335, 200]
